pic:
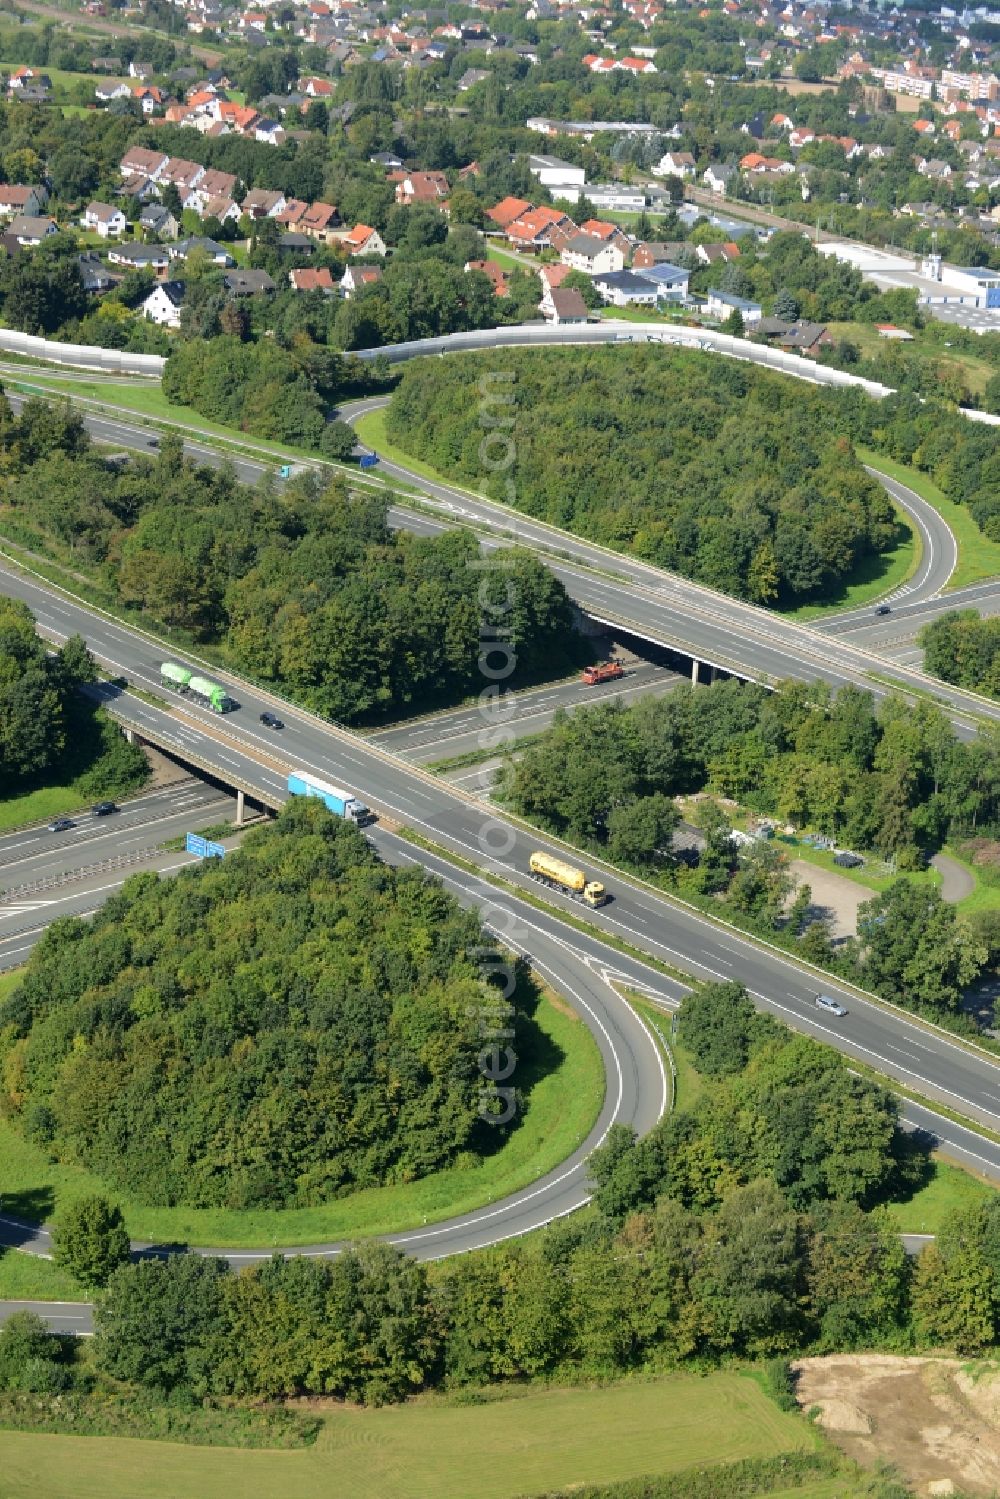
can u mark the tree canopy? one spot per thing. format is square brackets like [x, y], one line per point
[277, 1028]
[713, 469]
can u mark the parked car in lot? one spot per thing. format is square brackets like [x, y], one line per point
[104, 809]
[61, 825]
[847, 860]
[830, 1006]
[271, 721]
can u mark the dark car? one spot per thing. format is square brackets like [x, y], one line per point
[61, 825]
[848, 860]
[883, 609]
[104, 809]
[271, 721]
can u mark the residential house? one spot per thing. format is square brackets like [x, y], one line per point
[358, 276]
[506, 211]
[671, 281]
[935, 169]
[211, 184]
[387, 160]
[316, 88]
[247, 283]
[312, 280]
[148, 97]
[94, 273]
[493, 272]
[294, 242]
[363, 240]
[422, 187]
[138, 162]
[626, 288]
[675, 164]
[223, 209]
[262, 204]
[104, 219]
[291, 213]
[15, 199]
[141, 258]
[34, 93]
[215, 253]
[21, 77]
[717, 179]
[270, 132]
[112, 88]
[756, 164]
[806, 338]
[533, 230]
[163, 305]
[157, 220]
[320, 222]
[470, 78]
[553, 275]
[718, 254]
[721, 304]
[659, 252]
[584, 252]
[610, 234]
[182, 174]
[564, 305]
[31, 229]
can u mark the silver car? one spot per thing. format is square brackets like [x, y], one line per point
[830, 1005]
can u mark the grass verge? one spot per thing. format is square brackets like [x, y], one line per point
[27, 1277]
[872, 579]
[563, 1081]
[978, 557]
[949, 1188]
[88, 745]
[433, 1449]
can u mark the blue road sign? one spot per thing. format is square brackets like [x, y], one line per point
[204, 848]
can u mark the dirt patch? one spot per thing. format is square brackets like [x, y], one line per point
[937, 1421]
[832, 895]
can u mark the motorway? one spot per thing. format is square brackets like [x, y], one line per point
[35, 854]
[458, 731]
[591, 975]
[238, 748]
[620, 591]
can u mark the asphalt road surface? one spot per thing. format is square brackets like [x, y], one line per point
[142, 822]
[582, 967]
[237, 746]
[458, 731]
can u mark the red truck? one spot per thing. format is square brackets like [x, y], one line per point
[609, 672]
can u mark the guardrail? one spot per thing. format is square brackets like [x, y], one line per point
[103, 866]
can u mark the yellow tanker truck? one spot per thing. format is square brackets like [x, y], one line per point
[568, 878]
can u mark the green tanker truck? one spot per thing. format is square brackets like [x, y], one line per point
[181, 679]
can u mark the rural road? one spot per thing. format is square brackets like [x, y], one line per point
[956, 881]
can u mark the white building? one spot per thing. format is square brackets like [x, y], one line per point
[104, 219]
[587, 253]
[163, 305]
[562, 178]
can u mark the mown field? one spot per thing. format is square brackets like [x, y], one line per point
[430, 1449]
